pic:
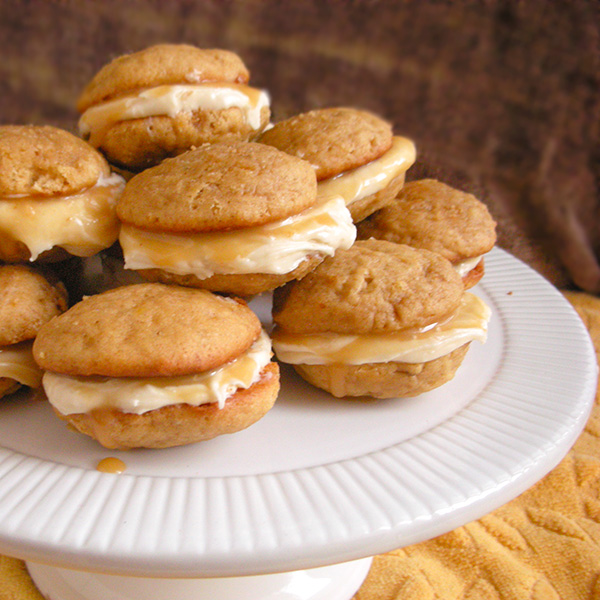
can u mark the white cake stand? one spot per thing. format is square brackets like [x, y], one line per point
[294, 507]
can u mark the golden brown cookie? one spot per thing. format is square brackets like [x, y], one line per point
[146, 330]
[333, 140]
[433, 215]
[40, 160]
[235, 217]
[153, 365]
[57, 195]
[372, 287]
[163, 100]
[29, 298]
[162, 64]
[354, 154]
[218, 186]
[380, 319]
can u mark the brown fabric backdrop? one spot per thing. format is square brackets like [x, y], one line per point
[501, 96]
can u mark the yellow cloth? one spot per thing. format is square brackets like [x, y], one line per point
[544, 545]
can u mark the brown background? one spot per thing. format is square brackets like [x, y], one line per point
[501, 97]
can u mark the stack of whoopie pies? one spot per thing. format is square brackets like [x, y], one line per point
[194, 202]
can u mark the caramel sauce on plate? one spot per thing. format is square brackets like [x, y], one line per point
[111, 465]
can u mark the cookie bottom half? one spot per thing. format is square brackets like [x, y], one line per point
[384, 380]
[246, 284]
[180, 424]
[138, 144]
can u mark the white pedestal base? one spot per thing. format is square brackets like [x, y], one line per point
[335, 582]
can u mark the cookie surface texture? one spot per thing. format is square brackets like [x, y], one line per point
[28, 300]
[433, 215]
[147, 330]
[138, 144]
[216, 187]
[46, 161]
[375, 286]
[333, 140]
[162, 64]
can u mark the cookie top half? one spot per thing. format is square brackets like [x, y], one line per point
[28, 300]
[163, 64]
[218, 186]
[373, 287]
[146, 330]
[433, 215]
[41, 160]
[333, 140]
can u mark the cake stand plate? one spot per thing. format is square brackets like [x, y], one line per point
[318, 481]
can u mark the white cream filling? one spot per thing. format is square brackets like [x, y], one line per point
[169, 100]
[371, 178]
[465, 266]
[275, 248]
[75, 395]
[16, 362]
[469, 323]
[82, 224]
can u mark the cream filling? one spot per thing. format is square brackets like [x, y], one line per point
[275, 248]
[16, 362]
[371, 178]
[82, 224]
[75, 395]
[169, 100]
[467, 324]
[465, 266]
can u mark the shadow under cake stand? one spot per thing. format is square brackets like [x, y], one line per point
[294, 507]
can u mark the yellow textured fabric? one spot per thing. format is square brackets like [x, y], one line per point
[544, 545]
[15, 583]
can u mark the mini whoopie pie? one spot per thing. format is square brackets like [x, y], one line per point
[433, 215]
[234, 217]
[153, 365]
[379, 319]
[158, 102]
[29, 298]
[57, 195]
[354, 153]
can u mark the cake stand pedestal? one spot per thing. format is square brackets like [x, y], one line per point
[334, 582]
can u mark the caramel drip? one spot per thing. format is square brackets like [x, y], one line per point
[111, 465]
[372, 177]
[83, 224]
[16, 362]
[76, 395]
[273, 248]
[467, 324]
